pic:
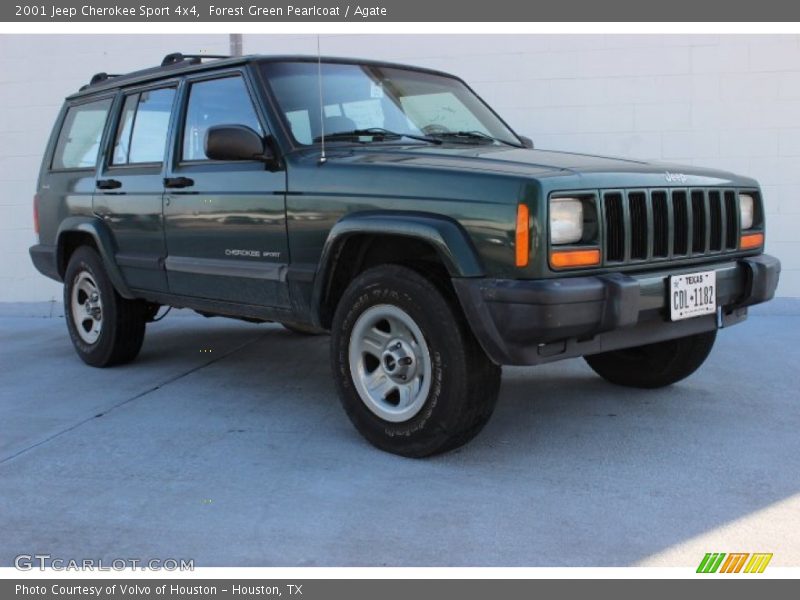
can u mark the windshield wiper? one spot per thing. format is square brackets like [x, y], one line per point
[473, 135]
[375, 133]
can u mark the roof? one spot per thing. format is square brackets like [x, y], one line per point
[179, 64]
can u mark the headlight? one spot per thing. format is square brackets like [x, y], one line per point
[566, 220]
[746, 210]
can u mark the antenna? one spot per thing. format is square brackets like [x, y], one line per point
[322, 158]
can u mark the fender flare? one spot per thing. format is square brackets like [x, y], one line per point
[445, 235]
[103, 239]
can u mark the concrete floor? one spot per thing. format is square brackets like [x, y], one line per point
[224, 442]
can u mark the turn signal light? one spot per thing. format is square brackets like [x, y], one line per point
[523, 237]
[562, 259]
[751, 240]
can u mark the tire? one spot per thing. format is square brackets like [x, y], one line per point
[302, 329]
[113, 335]
[392, 323]
[654, 365]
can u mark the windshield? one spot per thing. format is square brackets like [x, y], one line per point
[358, 98]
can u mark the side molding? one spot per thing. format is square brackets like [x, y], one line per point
[448, 238]
[105, 246]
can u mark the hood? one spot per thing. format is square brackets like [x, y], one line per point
[538, 164]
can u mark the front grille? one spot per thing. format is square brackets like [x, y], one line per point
[615, 227]
[699, 237]
[715, 210]
[638, 210]
[669, 224]
[660, 225]
[681, 231]
[731, 220]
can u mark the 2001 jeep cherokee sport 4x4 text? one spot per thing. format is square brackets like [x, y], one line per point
[392, 207]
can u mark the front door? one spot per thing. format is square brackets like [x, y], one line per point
[225, 222]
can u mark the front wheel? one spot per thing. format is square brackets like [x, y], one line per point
[410, 374]
[105, 328]
[654, 365]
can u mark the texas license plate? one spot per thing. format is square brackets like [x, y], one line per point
[692, 295]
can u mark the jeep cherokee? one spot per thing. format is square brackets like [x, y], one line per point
[392, 207]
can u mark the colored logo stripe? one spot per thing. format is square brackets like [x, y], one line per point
[710, 562]
[735, 561]
[758, 563]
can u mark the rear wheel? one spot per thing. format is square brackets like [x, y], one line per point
[410, 374]
[105, 328]
[654, 365]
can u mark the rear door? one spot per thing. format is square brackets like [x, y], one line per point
[130, 183]
[69, 171]
[225, 221]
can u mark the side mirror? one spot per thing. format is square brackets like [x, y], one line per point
[236, 142]
[526, 141]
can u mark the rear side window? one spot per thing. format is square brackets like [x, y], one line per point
[143, 127]
[216, 102]
[79, 140]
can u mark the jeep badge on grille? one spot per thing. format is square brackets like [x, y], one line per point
[675, 177]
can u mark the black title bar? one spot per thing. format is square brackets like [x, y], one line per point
[196, 11]
[343, 589]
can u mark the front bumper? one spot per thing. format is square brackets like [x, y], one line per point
[528, 322]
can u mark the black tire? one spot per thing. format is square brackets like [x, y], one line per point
[302, 329]
[464, 383]
[123, 321]
[654, 365]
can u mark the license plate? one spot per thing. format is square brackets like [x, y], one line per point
[692, 295]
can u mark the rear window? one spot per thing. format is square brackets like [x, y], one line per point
[79, 140]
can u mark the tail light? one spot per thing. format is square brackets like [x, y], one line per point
[36, 214]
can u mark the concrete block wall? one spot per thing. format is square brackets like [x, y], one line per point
[723, 101]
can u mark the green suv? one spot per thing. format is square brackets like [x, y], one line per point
[392, 207]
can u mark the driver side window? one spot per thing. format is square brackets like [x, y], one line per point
[222, 101]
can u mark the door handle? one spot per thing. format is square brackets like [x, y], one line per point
[178, 182]
[109, 184]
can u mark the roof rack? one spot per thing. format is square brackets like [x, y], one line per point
[99, 78]
[175, 60]
[177, 57]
